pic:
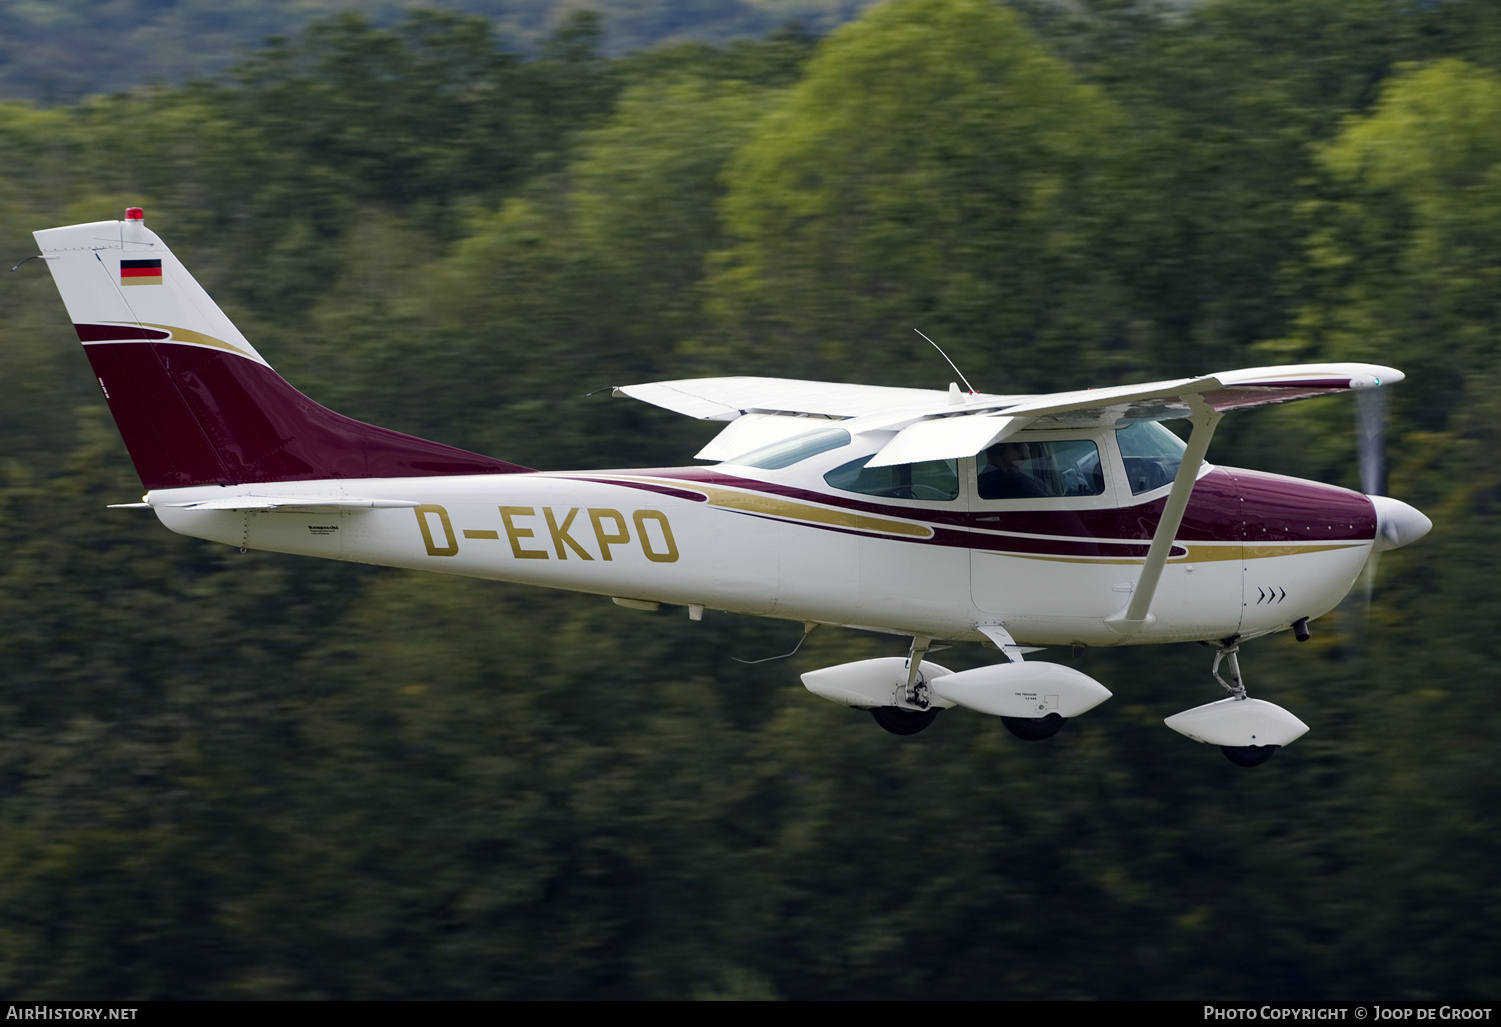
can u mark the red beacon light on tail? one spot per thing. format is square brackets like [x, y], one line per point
[134, 214]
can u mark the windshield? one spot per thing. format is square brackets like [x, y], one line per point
[1151, 454]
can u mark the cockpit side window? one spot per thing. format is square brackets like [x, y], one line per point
[790, 451]
[1151, 454]
[1017, 469]
[934, 480]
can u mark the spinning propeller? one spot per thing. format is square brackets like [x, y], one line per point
[1370, 441]
[1396, 523]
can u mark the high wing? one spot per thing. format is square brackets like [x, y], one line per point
[933, 425]
[724, 399]
[765, 410]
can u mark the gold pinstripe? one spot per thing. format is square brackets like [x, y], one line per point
[187, 335]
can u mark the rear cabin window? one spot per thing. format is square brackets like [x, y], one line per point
[933, 480]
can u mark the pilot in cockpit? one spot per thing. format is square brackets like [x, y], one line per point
[1005, 474]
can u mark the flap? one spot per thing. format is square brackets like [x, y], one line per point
[947, 438]
[752, 431]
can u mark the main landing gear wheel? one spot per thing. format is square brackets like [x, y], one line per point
[1248, 755]
[1034, 729]
[903, 722]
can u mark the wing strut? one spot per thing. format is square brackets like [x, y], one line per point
[1204, 420]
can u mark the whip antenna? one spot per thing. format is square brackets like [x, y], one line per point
[945, 356]
[808, 627]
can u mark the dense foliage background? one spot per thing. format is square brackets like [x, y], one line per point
[62, 50]
[227, 775]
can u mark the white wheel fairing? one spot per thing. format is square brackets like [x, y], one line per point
[1238, 722]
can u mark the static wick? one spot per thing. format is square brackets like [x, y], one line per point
[945, 356]
[37, 257]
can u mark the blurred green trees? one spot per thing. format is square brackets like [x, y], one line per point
[62, 50]
[227, 775]
[934, 169]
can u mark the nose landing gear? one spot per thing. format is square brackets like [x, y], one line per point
[1248, 731]
[1240, 755]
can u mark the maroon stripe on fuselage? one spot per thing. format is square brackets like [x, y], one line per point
[1213, 514]
[663, 490]
[196, 416]
[1227, 505]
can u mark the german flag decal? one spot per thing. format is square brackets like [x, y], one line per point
[141, 272]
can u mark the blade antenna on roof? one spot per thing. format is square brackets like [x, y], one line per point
[945, 356]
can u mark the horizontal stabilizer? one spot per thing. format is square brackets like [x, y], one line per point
[295, 504]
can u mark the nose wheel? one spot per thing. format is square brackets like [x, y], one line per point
[1248, 755]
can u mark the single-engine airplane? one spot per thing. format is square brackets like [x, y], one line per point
[1071, 519]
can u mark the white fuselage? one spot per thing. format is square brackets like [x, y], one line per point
[783, 543]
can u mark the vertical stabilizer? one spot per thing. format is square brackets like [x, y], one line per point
[194, 401]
